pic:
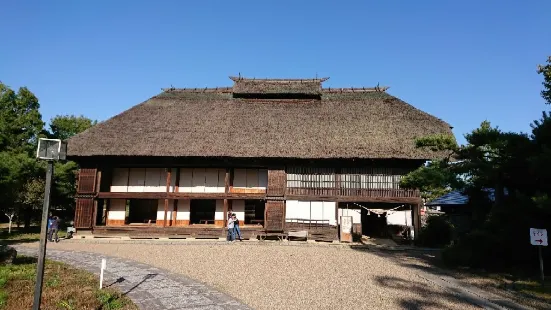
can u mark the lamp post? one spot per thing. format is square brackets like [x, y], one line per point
[50, 150]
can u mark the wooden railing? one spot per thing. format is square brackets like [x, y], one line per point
[353, 192]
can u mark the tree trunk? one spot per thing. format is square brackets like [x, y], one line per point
[27, 214]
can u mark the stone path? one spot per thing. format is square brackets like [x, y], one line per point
[148, 287]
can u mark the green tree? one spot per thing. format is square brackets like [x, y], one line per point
[20, 120]
[545, 70]
[65, 126]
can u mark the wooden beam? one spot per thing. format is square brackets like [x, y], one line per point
[95, 213]
[226, 207]
[227, 180]
[177, 185]
[216, 195]
[168, 179]
[98, 181]
[406, 200]
[131, 195]
[174, 212]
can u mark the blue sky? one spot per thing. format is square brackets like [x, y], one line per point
[462, 61]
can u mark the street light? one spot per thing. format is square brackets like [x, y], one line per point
[50, 150]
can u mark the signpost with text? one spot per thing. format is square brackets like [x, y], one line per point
[538, 237]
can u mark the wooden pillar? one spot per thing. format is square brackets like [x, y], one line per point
[168, 177]
[174, 212]
[177, 185]
[226, 208]
[337, 182]
[228, 180]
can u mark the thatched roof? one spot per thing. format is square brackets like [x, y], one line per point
[277, 86]
[344, 123]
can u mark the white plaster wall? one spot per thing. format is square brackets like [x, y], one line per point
[173, 173]
[155, 180]
[202, 180]
[329, 208]
[219, 212]
[183, 210]
[313, 210]
[119, 182]
[250, 178]
[238, 207]
[117, 209]
[399, 218]
[136, 180]
[356, 215]
[141, 180]
[161, 210]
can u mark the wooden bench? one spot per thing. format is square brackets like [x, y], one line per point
[301, 234]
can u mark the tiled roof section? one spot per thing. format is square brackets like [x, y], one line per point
[458, 198]
[451, 198]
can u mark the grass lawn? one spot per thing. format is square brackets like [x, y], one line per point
[64, 288]
[18, 235]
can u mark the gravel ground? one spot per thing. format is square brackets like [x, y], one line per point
[273, 276]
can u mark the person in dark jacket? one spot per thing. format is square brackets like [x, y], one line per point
[49, 231]
[54, 228]
[237, 232]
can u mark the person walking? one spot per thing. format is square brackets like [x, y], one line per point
[236, 227]
[49, 231]
[54, 229]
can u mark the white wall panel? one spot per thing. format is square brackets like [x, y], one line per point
[250, 178]
[238, 207]
[183, 209]
[316, 210]
[117, 209]
[240, 178]
[399, 218]
[119, 182]
[173, 173]
[356, 215]
[153, 181]
[212, 182]
[297, 209]
[219, 213]
[198, 180]
[185, 180]
[161, 210]
[313, 210]
[202, 180]
[329, 208]
[136, 181]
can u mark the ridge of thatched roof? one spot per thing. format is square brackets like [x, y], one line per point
[211, 122]
[276, 86]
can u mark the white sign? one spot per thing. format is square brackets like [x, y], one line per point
[538, 236]
[346, 224]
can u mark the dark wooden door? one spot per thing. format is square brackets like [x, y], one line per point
[274, 216]
[84, 213]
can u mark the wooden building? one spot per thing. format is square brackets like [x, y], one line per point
[283, 154]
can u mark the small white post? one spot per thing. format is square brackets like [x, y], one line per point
[103, 266]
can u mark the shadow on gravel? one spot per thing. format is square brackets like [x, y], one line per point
[426, 296]
[426, 260]
[147, 277]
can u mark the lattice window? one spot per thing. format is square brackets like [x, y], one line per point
[300, 177]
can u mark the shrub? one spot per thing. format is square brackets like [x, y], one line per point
[437, 233]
